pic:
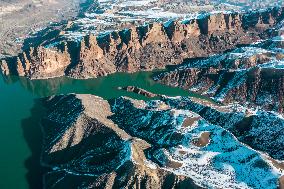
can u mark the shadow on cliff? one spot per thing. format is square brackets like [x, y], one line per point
[33, 136]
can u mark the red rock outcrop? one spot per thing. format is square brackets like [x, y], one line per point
[147, 47]
[38, 63]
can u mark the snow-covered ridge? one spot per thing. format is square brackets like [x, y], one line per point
[149, 140]
[113, 14]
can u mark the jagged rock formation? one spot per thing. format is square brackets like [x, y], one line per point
[146, 47]
[126, 143]
[38, 60]
[251, 76]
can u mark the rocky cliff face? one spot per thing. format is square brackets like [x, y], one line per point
[38, 61]
[126, 143]
[146, 47]
[251, 76]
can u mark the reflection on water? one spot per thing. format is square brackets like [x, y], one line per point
[106, 87]
[33, 136]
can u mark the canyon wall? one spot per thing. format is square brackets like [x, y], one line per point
[146, 47]
[249, 75]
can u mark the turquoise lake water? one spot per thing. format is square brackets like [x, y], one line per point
[20, 115]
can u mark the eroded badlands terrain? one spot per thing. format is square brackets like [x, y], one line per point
[230, 137]
[167, 143]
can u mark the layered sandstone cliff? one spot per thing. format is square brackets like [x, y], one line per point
[252, 76]
[146, 47]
